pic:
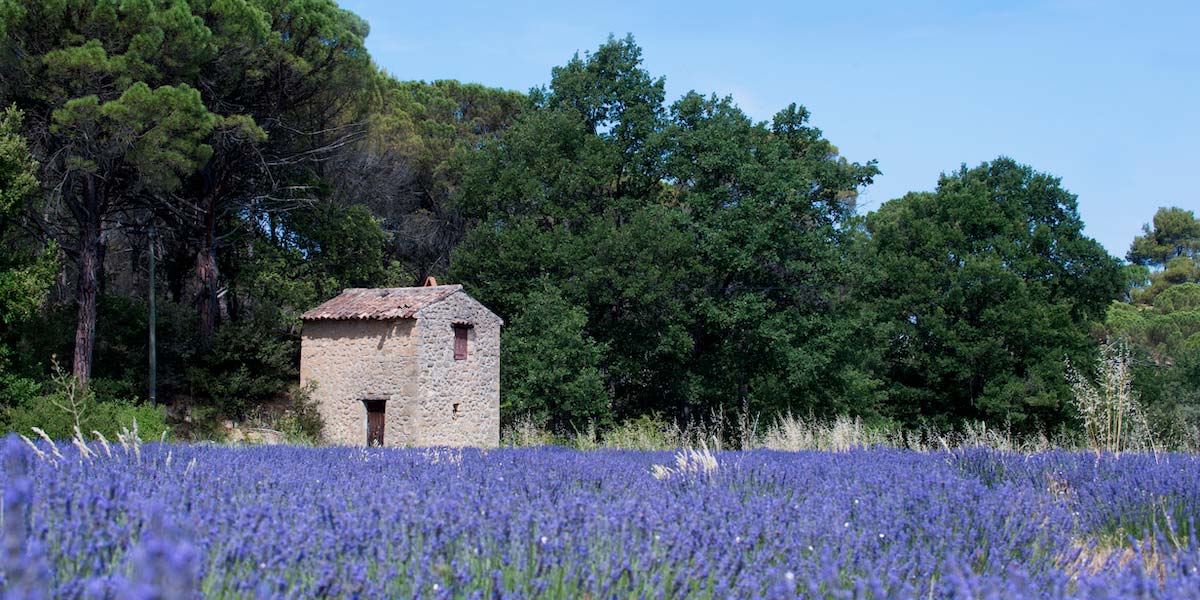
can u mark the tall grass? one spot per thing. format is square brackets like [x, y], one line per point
[1113, 418]
[1113, 421]
[786, 432]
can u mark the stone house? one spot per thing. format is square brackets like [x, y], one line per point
[416, 366]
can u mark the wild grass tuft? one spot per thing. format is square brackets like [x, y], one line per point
[1113, 418]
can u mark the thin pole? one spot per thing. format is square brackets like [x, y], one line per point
[153, 328]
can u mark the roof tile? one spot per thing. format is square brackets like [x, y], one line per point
[380, 303]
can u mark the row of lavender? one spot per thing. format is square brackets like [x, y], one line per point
[170, 521]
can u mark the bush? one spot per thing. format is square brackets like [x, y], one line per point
[17, 390]
[68, 405]
[250, 364]
[106, 416]
[301, 422]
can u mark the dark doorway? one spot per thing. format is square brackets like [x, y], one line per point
[375, 421]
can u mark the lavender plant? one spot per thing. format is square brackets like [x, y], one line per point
[176, 521]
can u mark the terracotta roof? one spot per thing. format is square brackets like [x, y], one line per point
[380, 303]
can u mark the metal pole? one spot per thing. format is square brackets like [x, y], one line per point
[153, 327]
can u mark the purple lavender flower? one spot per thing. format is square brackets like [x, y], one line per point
[297, 523]
[24, 569]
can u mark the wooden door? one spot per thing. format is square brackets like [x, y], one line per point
[375, 420]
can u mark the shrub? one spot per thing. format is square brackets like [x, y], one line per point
[108, 417]
[301, 423]
[68, 405]
[250, 364]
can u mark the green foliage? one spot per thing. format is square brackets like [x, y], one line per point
[1178, 298]
[250, 363]
[17, 389]
[116, 119]
[337, 246]
[107, 417]
[25, 276]
[551, 365]
[981, 288]
[1165, 337]
[1176, 233]
[157, 133]
[407, 164]
[1172, 248]
[17, 179]
[310, 255]
[1177, 271]
[63, 405]
[301, 422]
[702, 248]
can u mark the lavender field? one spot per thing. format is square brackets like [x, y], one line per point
[171, 521]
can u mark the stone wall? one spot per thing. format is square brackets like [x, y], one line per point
[433, 399]
[350, 360]
[472, 384]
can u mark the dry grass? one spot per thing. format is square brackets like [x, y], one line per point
[787, 432]
[1113, 418]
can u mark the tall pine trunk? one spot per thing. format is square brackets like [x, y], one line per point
[206, 273]
[88, 282]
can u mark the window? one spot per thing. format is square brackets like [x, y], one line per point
[460, 342]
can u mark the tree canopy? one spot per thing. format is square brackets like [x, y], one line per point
[982, 287]
[1174, 234]
[701, 245]
[1161, 321]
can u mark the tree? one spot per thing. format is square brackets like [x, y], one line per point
[24, 276]
[406, 166]
[1176, 233]
[201, 117]
[111, 119]
[552, 367]
[982, 287]
[703, 248]
[1161, 320]
[1164, 256]
[1164, 337]
[291, 76]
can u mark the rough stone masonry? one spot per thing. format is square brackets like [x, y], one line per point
[416, 366]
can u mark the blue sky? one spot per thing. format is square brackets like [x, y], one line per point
[1105, 95]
